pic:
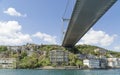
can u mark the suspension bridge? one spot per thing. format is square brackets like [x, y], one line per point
[85, 14]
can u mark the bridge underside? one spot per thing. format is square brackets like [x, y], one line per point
[85, 14]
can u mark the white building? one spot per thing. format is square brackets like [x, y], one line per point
[92, 63]
[7, 63]
[112, 62]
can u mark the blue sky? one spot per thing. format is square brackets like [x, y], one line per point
[40, 21]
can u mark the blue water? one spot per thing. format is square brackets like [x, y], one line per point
[58, 72]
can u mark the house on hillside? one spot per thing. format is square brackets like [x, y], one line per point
[14, 48]
[90, 56]
[100, 51]
[81, 56]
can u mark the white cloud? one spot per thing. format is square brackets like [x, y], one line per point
[45, 37]
[117, 48]
[97, 38]
[10, 34]
[12, 12]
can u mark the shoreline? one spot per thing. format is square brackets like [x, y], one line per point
[64, 68]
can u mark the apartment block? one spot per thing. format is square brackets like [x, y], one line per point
[58, 57]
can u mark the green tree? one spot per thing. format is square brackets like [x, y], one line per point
[45, 62]
[72, 59]
[23, 54]
[3, 48]
[79, 63]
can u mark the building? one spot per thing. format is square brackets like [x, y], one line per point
[58, 57]
[90, 56]
[14, 48]
[86, 56]
[81, 56]
[112, 62]
[103, 63]
[100, 51]
[7, 63]
[118, 62]
[39, 52]
[43, 53]
[32, 47]
[91, 63]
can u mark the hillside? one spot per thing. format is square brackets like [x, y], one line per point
[88, 49]
[32, 56]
